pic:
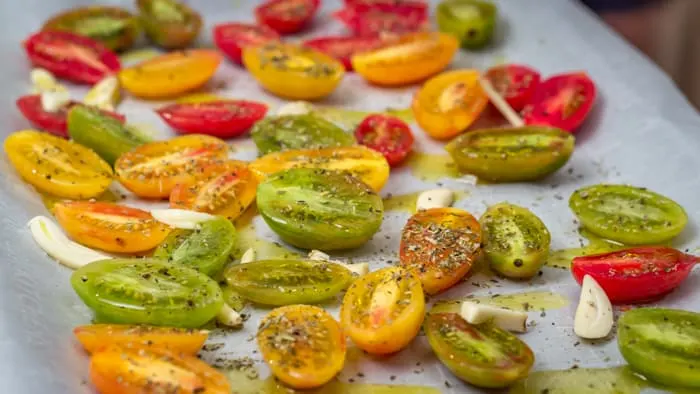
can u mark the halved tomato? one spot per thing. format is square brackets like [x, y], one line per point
[286, 16]
[515, 82]
[70, 56]
[95, 337]
[387, 135]
[110, 227]
[219, 118]
[409, 59]
[52, 122]
[152, 170]
[382, 311]
[563, 101]
[449, 103]
[118, 370]
[232, 37]
[226, 189]
[342, 48]
[383, 17]
[440, 246]
[170, 74]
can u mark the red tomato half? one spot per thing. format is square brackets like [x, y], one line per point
[232, 37]
[515, 82]
[70, 56]
[387, 135]
[636, 275]
[221, 118]
[342, 48]
[380, 18]
[410, 3]
[562, 101]
[286, 16]
[52, 122]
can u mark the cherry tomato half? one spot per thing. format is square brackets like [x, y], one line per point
[220, 118]
[118, 370]
[342, 48]
[303, 345]
[53, 122]
[110, 227]
[562, 101]
[286, 16]
[382, 311]
[95, 337]
[114, 27]
[516, 83]
[232, 37]
[387, 135]
[152, 170]
[449, 103]
[382, 18]
[70, 56]
[440, 246]
[635, 275]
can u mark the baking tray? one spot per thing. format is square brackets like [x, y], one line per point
[642, 132]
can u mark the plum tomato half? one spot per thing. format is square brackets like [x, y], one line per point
[562, 101]
[515, 82]
[97, 337]
[287, 16]
[218, 118]
[232, 37]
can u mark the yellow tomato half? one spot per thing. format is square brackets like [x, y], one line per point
[293, 71]
[95, 337]
[382, 311]
[412, 58]
[449, 103]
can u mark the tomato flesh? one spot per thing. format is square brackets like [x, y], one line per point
[563, 101]
[516, 83]
[286, 16]
[96, 337]
[388, 135]
[232, 37]
[636, 275]
[342, 48]
[220, 118]
[382, 18]
[70, 56]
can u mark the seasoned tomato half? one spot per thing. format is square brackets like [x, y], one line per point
[97, 337]
[515, 82]
[152, 170]
[232, 37]
[110, 227]
[382, 311]
[114, 27]
[388, 135]
[562, 101]
[286, 16]
[384, 18]
[440, 245]
[302, 344]
[343, 48]
[170, 24]
[218, 118]
[57, 166]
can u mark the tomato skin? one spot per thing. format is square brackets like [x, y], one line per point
[55, 123]
[110, 227]
[383, 18]
[77, 21]
[388, 135]
[471, 21]
[308, 131]
[286, 16]
[96, 337]
[220, 118]
[562, 101]
[118, 370]
[343, 48]
[232, 37]
[383, 311]
[440, 262]
[636, 275]
[166, 33]
[515, 82]
[70, 56]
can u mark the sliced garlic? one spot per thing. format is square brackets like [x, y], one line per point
[229, 317]
[181, 218]
[54, 100]
[55, 243]
[295, 108]
[476, 313]
[318, 255]
[357, 269]
[506, 110]
[105, 94]
[248, 256]
[594, 315]
[435, 198]
[42, 80]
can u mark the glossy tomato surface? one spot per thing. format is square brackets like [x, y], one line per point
[170, 24]
[97, 337]
[377, 19]
[562, 101]
[71, 56]
[343, 48]
[388, 135]
[114, 27]
[287, 16]
[306, 131]
[220, 118]
[515, 82]
[232, 37]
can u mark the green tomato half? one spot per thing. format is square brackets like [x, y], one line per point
[472, 22]
[170, 24]
[308, 131]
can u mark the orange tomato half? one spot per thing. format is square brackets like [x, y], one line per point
[170, 74]
[449, 103]
[382, 311]
[224, 189]
[95, 337]
[152, 170]
[440, 246]
[118, 370]
[412, 58]
[302, 344]
[110, 227]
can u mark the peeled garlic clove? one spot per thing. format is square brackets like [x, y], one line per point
[42, 80]
[477, 313]
[54, 100]
[594, 315]
[248, 256]
[55, 243]
[295, 108]
[181, 218]
[358, 269]
[435, 198]
[105, 94]
[229, 317]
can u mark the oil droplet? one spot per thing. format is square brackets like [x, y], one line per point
[562, 258]
[202, 97]
[108, 196]
[350, 118]
[431, 166]
[138, 55]
[529, 301]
